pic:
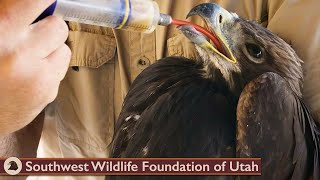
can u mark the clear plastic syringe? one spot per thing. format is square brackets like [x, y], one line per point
[132, 15]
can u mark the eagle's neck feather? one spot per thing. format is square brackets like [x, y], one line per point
[214, 68]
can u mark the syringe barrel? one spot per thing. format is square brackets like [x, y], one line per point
[133, 15]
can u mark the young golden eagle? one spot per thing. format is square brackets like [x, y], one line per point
[245, 104]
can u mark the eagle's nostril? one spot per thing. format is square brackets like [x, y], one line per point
[220, 19]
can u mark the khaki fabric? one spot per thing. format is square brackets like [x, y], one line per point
[80, 122]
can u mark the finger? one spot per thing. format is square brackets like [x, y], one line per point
[58, 63]
[21, 13]
[45, 37]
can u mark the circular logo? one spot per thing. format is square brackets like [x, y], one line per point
[12, 166]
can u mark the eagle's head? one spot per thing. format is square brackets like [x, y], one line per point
[250, 50]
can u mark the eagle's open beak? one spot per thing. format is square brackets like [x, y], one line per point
[215, 17]
[198, 38]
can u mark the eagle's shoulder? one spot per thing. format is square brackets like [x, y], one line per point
[274, 124]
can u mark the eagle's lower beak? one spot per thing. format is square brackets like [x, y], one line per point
[215, 17]
[197, 38]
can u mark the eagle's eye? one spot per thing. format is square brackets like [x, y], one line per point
[254, 52]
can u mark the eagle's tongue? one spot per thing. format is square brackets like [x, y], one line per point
[204, 31]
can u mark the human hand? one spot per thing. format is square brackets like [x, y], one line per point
[33, 61]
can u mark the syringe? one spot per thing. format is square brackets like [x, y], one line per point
[132, 15]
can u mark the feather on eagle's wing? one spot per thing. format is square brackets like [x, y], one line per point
[274, 124]
[172, 111]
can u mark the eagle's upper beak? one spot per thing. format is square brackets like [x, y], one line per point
[215, 17]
